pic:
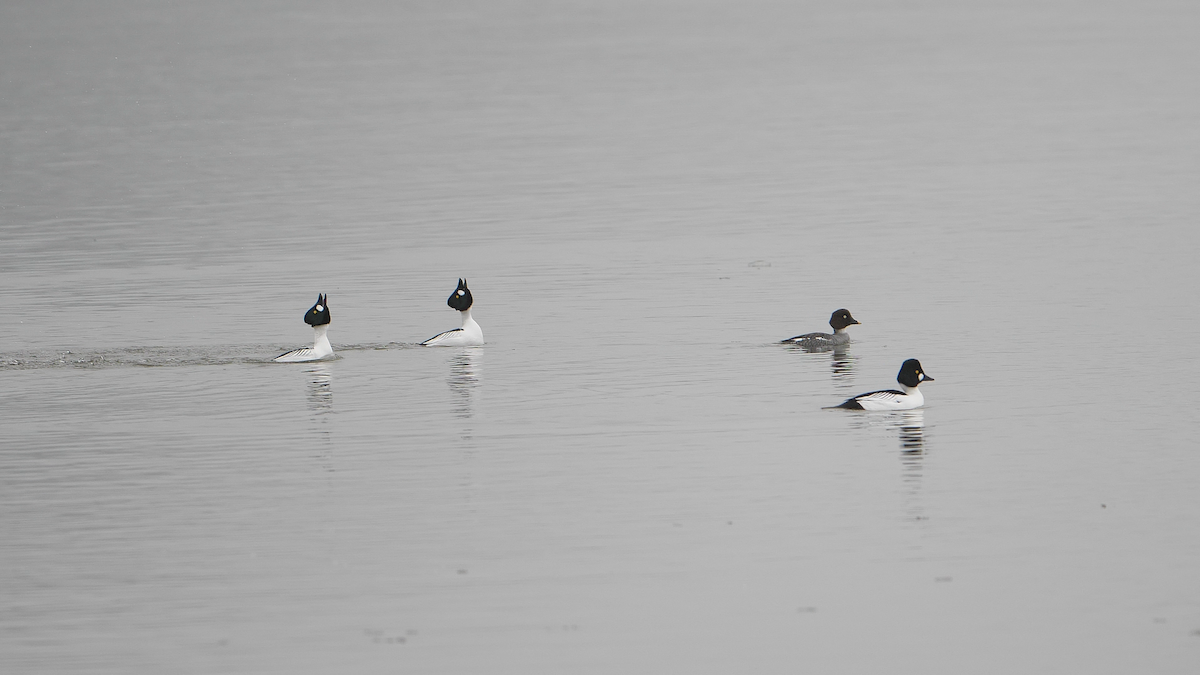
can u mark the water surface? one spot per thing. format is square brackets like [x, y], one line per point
[631, 476]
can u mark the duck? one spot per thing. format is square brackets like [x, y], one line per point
[318, 317]
[839, 320]
[911, 375]
[470, 334]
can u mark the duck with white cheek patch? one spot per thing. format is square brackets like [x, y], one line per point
[911, 375]
[318, 317]
[470, 334]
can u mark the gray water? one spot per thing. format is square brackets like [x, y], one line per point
[632, 476]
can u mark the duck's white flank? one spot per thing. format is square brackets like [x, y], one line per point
[910, 377]
[891, 399]
[469, 335]
[321, 349]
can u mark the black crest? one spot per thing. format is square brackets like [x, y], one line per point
[318, 314]
[841, 318]
[460, 299]
[912, 374]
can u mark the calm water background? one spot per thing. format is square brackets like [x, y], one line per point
[631, 476]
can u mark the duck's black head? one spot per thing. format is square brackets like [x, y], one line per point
[841, 318]
[318, 314]
[912, 374]
[460, 299]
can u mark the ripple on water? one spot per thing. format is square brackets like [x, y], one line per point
[161, 357]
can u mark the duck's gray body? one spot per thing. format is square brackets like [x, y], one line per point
[837, 337]
[839, 321]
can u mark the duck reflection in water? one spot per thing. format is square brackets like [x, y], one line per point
[909, 425]
[841, 362]
[320, 403]
[842, 365]
[320, 391]
[466, 367]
